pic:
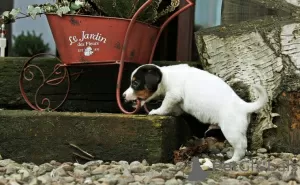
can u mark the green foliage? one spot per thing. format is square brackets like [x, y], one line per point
[111, 8]
[127, 8]
[28, 45]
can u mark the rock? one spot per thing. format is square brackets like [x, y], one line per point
[13, 182]
[17, 177]
[273, 179]
[272, 157]
[24, 174]
[58, 172]
[172, 182]
[124, 180]
[276, 162]
[3, 181]
[55, 163]
[220, 155]
[248, 153]
[298, 156]
[145, 163]
[158, 181]
[123, 163]
[286, 156]
[276, 174]
[5, 162]
[115, 170]
[11, 168]
[102, 169]
[180, 165]
[263, 173]
[230, 182]
[262, 150]
[92, 163]
[179, 175]
[263, 156]
[46, 167]
[206, 164]
[109, 180]
[135, 183]
[136, 167]
[43, 179]
[68, 179]
[78, 173]
[67, 167]
[167, 174]
[242, 178]
[258, 180]
[211, 182]
[265, 182]
[159, 166]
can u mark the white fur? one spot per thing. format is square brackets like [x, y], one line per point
[209, 99]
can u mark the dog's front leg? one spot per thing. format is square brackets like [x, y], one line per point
[167, 105]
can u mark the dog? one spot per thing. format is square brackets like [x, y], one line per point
[199, 93]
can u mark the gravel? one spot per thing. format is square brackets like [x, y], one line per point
[258, 167]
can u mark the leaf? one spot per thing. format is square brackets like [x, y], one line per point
[5, 14]
[63, 10]
[7, 17]
[14, 12]
[74, 6]
[33, 11]
[79, 3]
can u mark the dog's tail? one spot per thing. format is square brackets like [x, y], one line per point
[260, 102]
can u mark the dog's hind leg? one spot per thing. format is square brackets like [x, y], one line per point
[235, 133]
[177, 111]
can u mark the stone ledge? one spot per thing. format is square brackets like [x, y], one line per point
[32, 136]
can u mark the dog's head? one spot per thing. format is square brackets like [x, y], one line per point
[144, 83]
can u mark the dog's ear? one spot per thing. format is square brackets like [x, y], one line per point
[152, 79]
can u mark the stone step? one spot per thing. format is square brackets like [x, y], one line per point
[32, 136]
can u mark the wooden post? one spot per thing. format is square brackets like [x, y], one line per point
[3, 41]
[185, 33]
[7, 5]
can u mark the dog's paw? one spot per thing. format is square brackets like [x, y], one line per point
[156, 112]
[230, 161]
[153, 112]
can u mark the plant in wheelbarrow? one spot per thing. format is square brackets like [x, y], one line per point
[102, 32]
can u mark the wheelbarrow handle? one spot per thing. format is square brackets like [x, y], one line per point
[189, 4]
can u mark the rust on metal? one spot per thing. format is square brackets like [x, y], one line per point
[132, 53]
[60, 74]
[118, 45]
[74, 22]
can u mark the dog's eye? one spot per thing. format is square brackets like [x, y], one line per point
[135, 84]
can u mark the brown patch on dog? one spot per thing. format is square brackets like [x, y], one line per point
[143, 94]
[133, 78]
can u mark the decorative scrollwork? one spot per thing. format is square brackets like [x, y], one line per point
[59, 75]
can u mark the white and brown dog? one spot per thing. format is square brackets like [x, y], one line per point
[200, 94]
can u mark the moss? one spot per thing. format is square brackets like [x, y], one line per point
[266, 24]
[44, 136]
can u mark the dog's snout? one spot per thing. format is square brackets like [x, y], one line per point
[124, 95]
